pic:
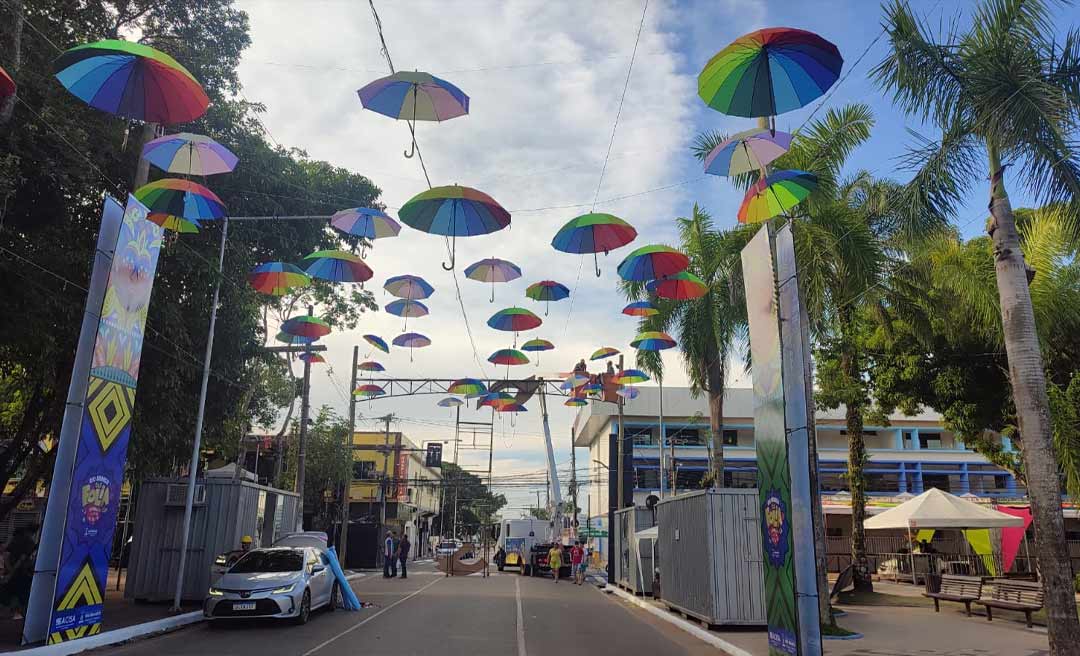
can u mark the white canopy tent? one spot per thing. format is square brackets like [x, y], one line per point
[937, 509]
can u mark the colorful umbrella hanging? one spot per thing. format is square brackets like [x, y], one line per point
[313, 358]
[775, 195]
[652, 262]
[627, 392]
[306, 326]
[338, 266]
[467, 387]
[750, 150]
[294, 340]
[631, 377]
[594, 233]
[547, 291]
[406, 308]
[591, 388]
[509, 357]
[493, 270]
[369, 391]
[411, 341]
[7, 85]
[454, 211]
[495, 399]
[365, 222]
[640, 309]
[575, 403]
[769, 72]
[573, 381]
[370, 366]
[277, 278]
[409, 287]
[681, 286]
[131, 80]
[537, 346]
[189, 154]
[515, 320]
[512, 407]
[175, 223]
[450, 402]
[604, 352]
[182, 198]
[377, 342]
[653, 340]
[414, 96]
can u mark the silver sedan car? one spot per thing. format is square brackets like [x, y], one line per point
[281, 582]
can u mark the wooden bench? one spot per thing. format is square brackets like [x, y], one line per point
[964, 589]
[1023, 596]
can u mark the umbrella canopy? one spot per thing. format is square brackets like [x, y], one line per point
[575, 403]
[370, 365]
[406, 308]
[306, 326]
[365, 222]
[408, 286]
[377, 342]
[547, 291]
[189, 154]
[640, 309]
[182, 198]
[631, 377]
[414, 96]
[496, 399]
[511, 406]
[493, 270]
[653, 340]
[411, 340]
[750, 150]
[627, 392]
[338, 266]
[175, 223]
[468, 387]
[293, 340]
[537, 345]
[514, 319]
[450, 402]
[7, 85]
[776, 194]
[454, 211]
[574, 381]
[131, 80]
[604, 352]
[277, 278]
[369, 390]
[651, 262]
[508, 357]
[682, 286]
[937, 509]
[313, 358]
[594, 233]
[769, 72]
[590, 388]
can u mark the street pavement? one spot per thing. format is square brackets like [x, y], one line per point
[502, 615]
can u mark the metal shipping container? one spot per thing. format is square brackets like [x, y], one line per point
[225, 510]
[626, 550]
[711, 563]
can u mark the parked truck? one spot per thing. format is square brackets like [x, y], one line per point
[516, 540]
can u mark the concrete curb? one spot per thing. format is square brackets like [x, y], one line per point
[115, 636]
[689, 627]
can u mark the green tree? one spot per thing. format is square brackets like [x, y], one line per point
[475, 504]
[326, 466]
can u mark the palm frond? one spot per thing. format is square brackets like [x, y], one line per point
[705, 142]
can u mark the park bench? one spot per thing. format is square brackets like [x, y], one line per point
[1023, 596]
[964, 589]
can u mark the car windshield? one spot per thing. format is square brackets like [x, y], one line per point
[290, 560]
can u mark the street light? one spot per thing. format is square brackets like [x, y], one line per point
[601, 464]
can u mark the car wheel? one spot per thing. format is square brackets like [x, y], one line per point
[305, 609]
[335, 598]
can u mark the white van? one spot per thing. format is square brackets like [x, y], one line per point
[516, 540]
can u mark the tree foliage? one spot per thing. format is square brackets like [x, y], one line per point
[475, 504]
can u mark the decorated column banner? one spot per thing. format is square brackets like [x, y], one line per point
[106, 427]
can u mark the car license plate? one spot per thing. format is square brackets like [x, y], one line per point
[243, 605]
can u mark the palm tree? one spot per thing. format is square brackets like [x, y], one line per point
[707, 327]
[1004, 89]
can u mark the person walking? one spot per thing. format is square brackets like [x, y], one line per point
[403, 554]
[389, 556]
[555, 560]
[577, 562]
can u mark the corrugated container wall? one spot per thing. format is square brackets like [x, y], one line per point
[626, 550]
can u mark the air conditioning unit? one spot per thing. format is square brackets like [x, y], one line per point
[176, 494]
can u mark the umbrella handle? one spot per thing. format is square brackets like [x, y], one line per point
[453, 254]
[492, 299]
[596, 264]
[409, 153]
[547, 308]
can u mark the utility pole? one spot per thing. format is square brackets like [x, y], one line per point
[621, 475]
[573, 486]
[343, 538]
[301, 455]
[383, 487]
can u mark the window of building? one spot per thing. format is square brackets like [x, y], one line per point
[646, 479]
[742, 479]
[930, 440]
[364, 470]
[641, 435]
[684, 436]
[940, 481]
[865, 432]
[834, 532]
[731, 437]
[688, 480]
[876, 482]
[833, 482]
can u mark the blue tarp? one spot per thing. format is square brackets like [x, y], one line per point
[348, 597]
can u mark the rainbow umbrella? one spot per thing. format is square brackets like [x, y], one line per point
[411, 341]
[591, 388]
[450, 402]
[515, 320]
[593, 233]
[131, 80]
[306, 326]
[406, 308]
[769, 72]
[547, 291]
[750, 150]
[652, 340]
[681, 286]
[377, 342]
[313, 358]
[277, 278]
[496, 399]
[537, 346]
[338, 266]
[182, 198]
[409, 287]
[651, 262]
[627, 392]
[369, 391]
[454, 211]
[190, 154]
[575, 403]
[513, 406]
[467, 387]
[414, 96]
[365, 222]
[631, 377]
[293, 340]
[604, 352]
[370, 366]
[508, 357]
[776, 194]
[573, 381]
[7, 85]
[640, 309]
[493, 270]
[175, 223]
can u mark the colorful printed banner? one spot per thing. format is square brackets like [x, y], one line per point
[106, 427]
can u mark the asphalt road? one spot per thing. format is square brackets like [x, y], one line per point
[503, 615]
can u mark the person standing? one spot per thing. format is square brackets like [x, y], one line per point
[555, 560]
[15, 592]
[403, 554]
[577, 562]
[389, 556]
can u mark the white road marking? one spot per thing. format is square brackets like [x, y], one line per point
[520, 620]
[368, 619]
